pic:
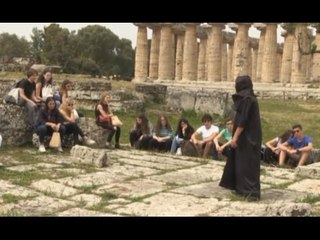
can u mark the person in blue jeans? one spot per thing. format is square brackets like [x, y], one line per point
[49, 121]
[184, 132]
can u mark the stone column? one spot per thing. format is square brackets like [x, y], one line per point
[230, 58]
[141, 58]
[189, 66]
[154, 52]
[179, 31]
[285, 74]
[279, 61]
[240, 51]
[228, 38]
[300, 50]
[214, 58]
[262, 28]
[166, 56]
[316, 57]
[254, 44]
[308, 59]
[224, 62]
[202, 34]
[268, 73]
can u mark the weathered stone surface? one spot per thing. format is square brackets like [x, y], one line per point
[310, 171]
[311, 186]
[87, 155]
[80, 212]
[170, 204]
[134, 188]
[48, 186]
[89, 200]
[154, 92]
[13, 125]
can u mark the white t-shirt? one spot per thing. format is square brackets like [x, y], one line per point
[207, 132]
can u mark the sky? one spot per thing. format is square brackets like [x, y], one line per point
[122, 30]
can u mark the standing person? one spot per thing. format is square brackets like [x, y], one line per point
[103, 119]
[242, 170]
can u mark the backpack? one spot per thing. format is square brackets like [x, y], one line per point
[189, 149]
[13, 95]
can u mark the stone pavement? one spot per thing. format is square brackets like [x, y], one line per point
[139, 183]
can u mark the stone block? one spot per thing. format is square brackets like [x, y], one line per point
[96, 157]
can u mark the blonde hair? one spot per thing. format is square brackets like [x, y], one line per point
[64, 105]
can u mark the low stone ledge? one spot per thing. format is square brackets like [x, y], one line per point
[288, 209]
[96, 157]
[309, 171]
[14, 128]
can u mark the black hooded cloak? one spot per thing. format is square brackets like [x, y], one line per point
[242, 170]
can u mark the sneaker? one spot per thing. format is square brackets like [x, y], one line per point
[88, 141]
[60, 149]
[179, 151]
[42, 148]
[109, 145]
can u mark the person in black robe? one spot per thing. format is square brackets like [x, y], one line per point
[242, 170]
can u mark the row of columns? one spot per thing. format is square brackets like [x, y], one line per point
[176, 55]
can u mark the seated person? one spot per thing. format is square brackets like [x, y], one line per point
[141, 133]
[272, 150]
[207, 132]
[103, 119]
[183, 133]
[162, 135]
[49, 121]
[226, 134]
[27, 97]
[66, 111]
[301, 148]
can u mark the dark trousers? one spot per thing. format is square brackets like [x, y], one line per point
[113, 130]
[44, 130]
[73, 128]
[160, 146]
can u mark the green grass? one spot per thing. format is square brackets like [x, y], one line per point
[311, 199]
[21, 178]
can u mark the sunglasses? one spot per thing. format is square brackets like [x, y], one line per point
[296, 131]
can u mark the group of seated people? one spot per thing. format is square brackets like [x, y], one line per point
[292, 146]
[50, 112]
[206, 140]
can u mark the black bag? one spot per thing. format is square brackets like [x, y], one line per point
[188, 149]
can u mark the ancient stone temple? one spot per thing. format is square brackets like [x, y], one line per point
[193, 52]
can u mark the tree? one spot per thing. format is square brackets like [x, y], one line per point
[56, 45]
[11, 46]
[37, 45]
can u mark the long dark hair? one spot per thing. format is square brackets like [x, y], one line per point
[285, 135]
[144, 126]
[159, 125]
[41, 77]
[179, 128]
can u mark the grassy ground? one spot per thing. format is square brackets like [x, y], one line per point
[276, 117]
